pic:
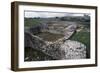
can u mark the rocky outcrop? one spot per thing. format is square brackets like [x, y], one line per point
[60, 49]
[38, 44]
[73, 50]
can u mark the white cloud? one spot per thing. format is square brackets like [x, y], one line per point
[43, 14]
[32, 14]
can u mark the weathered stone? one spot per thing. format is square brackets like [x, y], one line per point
[73, 50]
[57, 50]
[61, 48]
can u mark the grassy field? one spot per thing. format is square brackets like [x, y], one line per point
[83, 37]
[31, 22]
[50, 36]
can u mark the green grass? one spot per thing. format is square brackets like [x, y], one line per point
[83, 37]
[49, 36]
[31, 21]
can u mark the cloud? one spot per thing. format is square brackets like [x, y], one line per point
[43, 14]
[32, 14]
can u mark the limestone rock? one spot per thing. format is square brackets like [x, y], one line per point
[73, 50]
[57, 50]
[60, 49]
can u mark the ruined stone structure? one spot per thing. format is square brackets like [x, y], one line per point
[59, 49]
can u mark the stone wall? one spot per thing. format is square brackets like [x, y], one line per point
[62, 49]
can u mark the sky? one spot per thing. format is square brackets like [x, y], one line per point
[41, 14]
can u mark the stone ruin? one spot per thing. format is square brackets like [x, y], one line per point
[60, 49]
